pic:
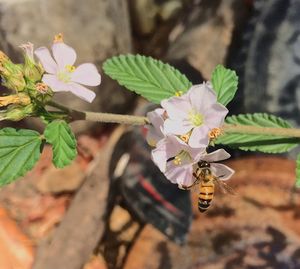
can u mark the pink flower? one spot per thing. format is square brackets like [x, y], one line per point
[178, 161]
[175, 159]
[196, 112]
[63, 75]
[155, 129]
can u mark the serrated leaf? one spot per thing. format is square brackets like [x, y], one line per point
[59, 134]
[146, 76]
[253, 142]
[19, 151]
[298, 171]
[225, 82]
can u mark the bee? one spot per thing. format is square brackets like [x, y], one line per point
[206, 181]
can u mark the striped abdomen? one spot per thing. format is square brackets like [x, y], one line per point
[206, 195]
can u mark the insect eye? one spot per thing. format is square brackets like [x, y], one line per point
[203, 164]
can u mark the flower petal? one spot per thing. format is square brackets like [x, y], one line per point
[181, 175]
[221, 171]
[55, 84]
[152, 136]
[166, 148]
[156, 118]
[82, 92]
[63, 55]
[155, 133]
[159, 157]
[86, 74]
[202, 97]
[176, 107]
[215, 117]
[46, 60]
[199, 137]
[215, 156]
[177, 127]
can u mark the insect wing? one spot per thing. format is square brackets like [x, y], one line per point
[225, 188]
[195, 187]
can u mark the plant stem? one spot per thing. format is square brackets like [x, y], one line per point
[138, 120]
[59, 106]
[227, 128]
[115, 118]
[100, 117]
[243, 129]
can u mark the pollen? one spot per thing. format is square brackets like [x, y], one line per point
[214, 133]
[178, 93]
[58, 38]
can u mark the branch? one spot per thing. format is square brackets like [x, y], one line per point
[243, 129]
[138, 120]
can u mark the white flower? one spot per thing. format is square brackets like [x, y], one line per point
[197, 112]
[63, 75]
[155, 129]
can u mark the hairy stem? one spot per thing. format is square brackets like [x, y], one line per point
[115, 118]
[243, 129]
[137, 120]
[100, 117]
[59, 106]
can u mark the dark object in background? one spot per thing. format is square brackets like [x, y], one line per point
[267, 60]
[145, 190]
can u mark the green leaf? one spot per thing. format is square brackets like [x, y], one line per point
[298, 171]
[225, 82]
[146, 76]
[253, 142]
[19, 151]
[59, 134]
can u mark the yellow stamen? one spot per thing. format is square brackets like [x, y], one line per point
[214, 133]
[58, 38]
[179, 93]
[177, 160]
[182, 156]
[196, 118]
[70, 68]
[185, 138]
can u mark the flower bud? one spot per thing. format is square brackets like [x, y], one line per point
[17, 112]
[32, 70]
[43, 93]
[12, 74]
[18, 99]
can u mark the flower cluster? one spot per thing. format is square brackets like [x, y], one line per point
[181, 131]
[33, 83]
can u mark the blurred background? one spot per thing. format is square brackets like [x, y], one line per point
[112, 208]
